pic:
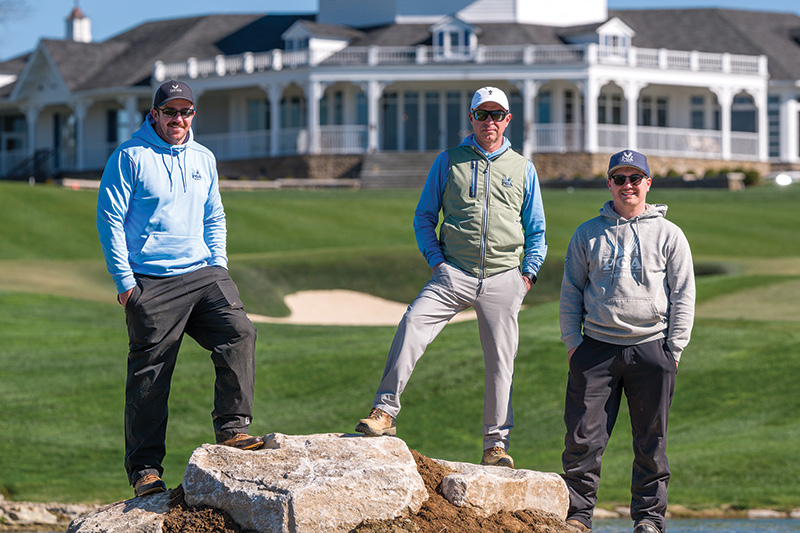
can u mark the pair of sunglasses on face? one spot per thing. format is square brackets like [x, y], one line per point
[481, 114]
[619, 181]
[170, 112]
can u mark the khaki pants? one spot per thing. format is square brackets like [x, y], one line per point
[496, 301]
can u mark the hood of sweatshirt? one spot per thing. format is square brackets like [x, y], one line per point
[175, 166]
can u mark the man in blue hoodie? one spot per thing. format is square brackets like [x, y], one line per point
[626, 314]
[491, 204]
[163, 234]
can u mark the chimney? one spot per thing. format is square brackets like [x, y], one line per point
[79, 26]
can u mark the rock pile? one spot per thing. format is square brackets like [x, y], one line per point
[327, 482]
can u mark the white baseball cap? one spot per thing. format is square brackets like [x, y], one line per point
[489, 94]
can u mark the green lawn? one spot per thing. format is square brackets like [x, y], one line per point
[734, 428]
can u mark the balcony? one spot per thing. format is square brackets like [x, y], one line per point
[527, 55]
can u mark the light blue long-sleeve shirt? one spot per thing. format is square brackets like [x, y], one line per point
[159, 211]
[426, 216]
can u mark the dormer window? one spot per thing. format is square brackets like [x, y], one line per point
[298, 43]
[453, 40]
[615, 39]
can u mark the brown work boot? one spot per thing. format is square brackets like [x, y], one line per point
[243, 441]
[577, 525]
[148, 484]
[496, 456]
[376, 424]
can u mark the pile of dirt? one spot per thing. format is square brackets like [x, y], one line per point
[437, 515]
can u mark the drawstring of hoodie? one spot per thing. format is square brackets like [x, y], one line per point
[639, 246]
[637, 236]
[616, 247]
[170, 167]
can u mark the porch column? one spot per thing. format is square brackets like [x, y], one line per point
[374, 92]
[80, 108]
[421, 122]
[314, 90]
[725, 99]
[789, 127]
[274, 92]
[631, 90]
[591, 91]
[31, 118]
[761, 100]
[131, 104]
[529, 90]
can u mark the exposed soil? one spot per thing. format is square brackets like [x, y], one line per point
[437, 515]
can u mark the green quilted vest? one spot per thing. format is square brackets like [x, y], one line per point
[481, 231]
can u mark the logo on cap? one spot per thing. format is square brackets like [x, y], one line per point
[627, 157]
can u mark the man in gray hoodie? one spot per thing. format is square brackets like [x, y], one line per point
[626, 314]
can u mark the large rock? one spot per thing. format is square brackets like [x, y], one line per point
[137, 515]
[328, 482]
[489, 489]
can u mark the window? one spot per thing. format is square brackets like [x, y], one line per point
[453, 40]
[544, 99]
[743, 114]
[12, 133]
[698, 113]
[258, 115]
[297, 43]
[609, 109]
[432, 124]
[774, 125]
[653, 111]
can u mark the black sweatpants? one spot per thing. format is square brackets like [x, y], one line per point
[204, 304]
[598, 374]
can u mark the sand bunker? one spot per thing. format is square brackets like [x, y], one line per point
[343, 308]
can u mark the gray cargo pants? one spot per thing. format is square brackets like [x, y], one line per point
[205, 304]
[496, 300]
[599, 373]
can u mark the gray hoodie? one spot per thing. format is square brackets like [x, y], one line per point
[628, 281]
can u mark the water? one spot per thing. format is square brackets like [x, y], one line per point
[706, 526]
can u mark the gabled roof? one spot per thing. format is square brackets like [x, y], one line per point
[127, 59]
[720, 31]
[326, 31]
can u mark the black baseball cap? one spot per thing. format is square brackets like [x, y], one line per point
[172, 90]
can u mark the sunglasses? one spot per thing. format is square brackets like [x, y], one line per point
[619, 181]
[481, 115]
[170, 112]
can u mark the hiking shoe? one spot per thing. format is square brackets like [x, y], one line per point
[148, 484]
[376, 424]
[645, 526]
[496, 456]
[577, 525]
[243, 441]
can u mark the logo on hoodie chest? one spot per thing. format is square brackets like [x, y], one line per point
[196, 175]
[623, 260]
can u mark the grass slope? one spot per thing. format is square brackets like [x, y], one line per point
[734, 426]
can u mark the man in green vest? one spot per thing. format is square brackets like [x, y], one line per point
[487, 255]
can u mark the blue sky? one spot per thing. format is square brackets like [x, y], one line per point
[45, 18]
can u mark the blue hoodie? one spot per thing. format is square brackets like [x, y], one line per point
[159, 211]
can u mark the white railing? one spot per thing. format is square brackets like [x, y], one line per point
[237, 145]
[611, 135]
[744, 145]
[567, 55]
[558, 138]
[343, 139]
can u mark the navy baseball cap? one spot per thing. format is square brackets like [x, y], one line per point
[629, 158]
[172, 90]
